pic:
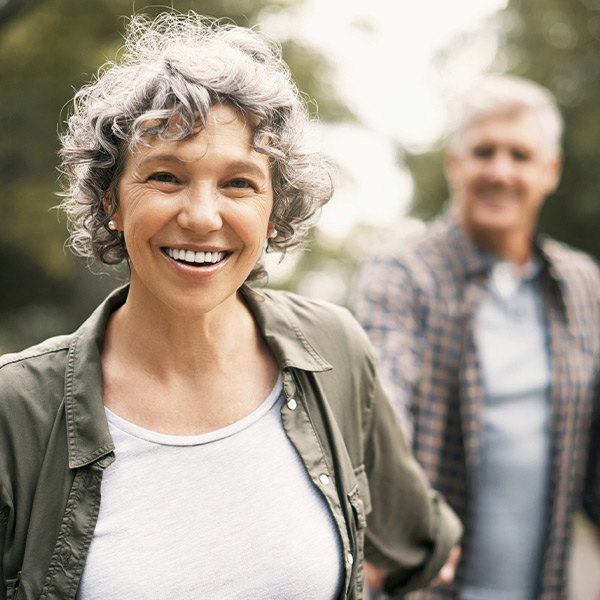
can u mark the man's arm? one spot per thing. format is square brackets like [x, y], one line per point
[591, 492]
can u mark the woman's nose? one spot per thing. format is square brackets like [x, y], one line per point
[200, 211]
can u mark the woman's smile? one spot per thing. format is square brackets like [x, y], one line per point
[194, 258]
[197, 264]
[196, 213]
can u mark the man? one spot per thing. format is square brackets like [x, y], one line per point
[488, 337]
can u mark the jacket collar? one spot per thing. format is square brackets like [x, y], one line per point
[283, 332]
[87, 429]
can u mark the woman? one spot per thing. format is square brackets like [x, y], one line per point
[196, 438]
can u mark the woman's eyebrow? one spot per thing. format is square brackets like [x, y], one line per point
[251, 166]
[236, 164]
[150, 158]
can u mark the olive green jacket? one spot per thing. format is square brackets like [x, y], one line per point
[55, 445]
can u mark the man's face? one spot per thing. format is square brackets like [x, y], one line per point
[500, 173]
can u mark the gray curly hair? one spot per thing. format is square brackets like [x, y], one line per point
[173, 69]
[498, 95]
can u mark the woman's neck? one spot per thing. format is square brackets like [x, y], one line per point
[162, 340]
[185, 375]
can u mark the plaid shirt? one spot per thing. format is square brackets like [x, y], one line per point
[417, 303]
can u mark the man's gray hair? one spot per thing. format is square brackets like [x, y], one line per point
[171, 71]
[506, 96]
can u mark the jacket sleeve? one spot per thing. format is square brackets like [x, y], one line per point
[411, 529]
[2, 536]
[386, 302]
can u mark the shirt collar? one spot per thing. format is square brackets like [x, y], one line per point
[474, 260]
[471, 260]
[87, 429]
[467, 257]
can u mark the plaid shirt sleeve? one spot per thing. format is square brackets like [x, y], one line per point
[591, 495]
[386, 303]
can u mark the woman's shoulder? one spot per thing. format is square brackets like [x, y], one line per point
[50, 346]
[32, 384]
[304, 305]
[309, 311]
[329, 327]
[35, 367]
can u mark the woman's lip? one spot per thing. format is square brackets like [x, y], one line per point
[195, 256]
[195, 247]
[198, 268]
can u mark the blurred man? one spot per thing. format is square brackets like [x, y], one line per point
[488, 336]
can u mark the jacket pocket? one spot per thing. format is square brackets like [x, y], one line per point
[360, 497]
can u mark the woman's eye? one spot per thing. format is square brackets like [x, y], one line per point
[163, 177]
[241, 184]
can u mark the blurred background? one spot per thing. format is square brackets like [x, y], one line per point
[380, 76]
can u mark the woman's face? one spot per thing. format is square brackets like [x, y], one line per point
[195, 214]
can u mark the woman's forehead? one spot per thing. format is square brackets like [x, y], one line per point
[225, 133]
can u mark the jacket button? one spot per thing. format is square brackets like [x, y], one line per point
[292, 404]
[324, 478]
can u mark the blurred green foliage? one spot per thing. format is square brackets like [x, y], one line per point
[49, 49]
[557, 43]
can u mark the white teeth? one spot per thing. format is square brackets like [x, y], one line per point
[195, 257]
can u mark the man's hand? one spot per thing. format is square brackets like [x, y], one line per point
[446, 574]
[374, 576]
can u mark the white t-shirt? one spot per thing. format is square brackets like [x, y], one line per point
[229, 514]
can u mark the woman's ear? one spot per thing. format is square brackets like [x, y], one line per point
[271, 231]
[111, 210]
[107, 203]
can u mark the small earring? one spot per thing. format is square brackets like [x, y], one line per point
[274, 234]
[112, 225]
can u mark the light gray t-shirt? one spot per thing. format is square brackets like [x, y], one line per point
[512, 479]
[230, 514]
